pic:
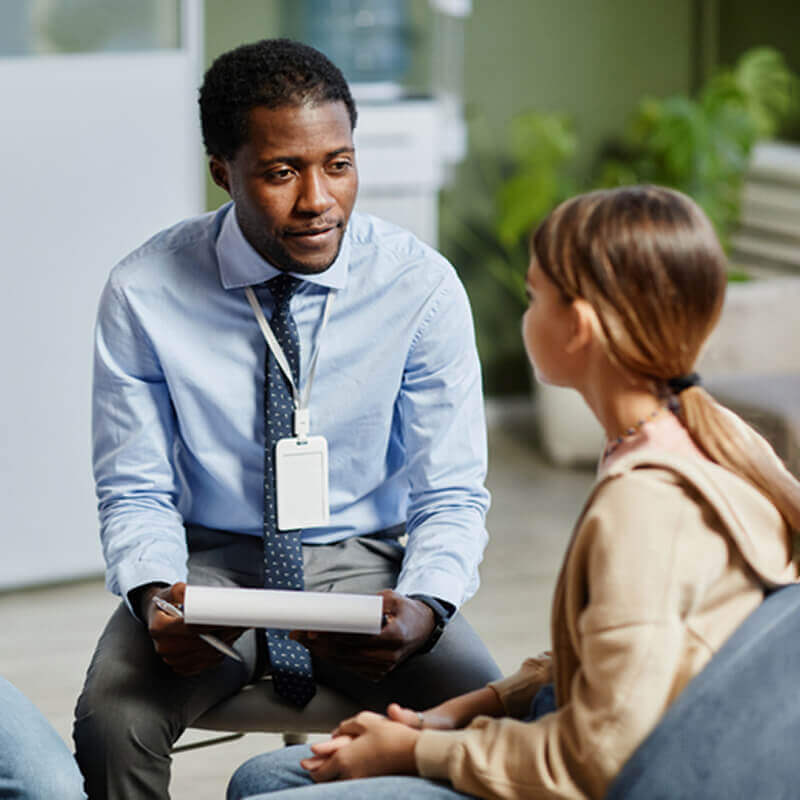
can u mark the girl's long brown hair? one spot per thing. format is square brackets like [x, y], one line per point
[647, 259]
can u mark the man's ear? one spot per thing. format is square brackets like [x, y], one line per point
[219, 173]
[584, 326]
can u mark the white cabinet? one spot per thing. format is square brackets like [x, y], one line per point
[404, 148]
[100, 150]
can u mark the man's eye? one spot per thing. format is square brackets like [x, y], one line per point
[279, 174]
[341, 166]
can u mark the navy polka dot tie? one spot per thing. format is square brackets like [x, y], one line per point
[292, 673]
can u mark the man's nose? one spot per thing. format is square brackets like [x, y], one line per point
[315, 196]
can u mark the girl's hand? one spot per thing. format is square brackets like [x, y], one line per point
[438, 717]
[323, 751]
[364, 746]
[457, 712]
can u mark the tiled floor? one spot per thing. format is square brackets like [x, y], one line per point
[49, 633]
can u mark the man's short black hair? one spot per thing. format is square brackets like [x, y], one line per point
[272, 73]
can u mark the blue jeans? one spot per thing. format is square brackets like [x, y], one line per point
[35, 764]
[279, 776]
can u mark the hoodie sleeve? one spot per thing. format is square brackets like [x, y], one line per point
[629, 636]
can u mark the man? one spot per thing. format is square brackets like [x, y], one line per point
[191, 408]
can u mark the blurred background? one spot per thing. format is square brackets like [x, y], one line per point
[475, 118]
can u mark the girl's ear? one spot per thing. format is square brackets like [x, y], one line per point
[584, 326]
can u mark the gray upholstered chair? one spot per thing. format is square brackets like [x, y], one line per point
[734, 733]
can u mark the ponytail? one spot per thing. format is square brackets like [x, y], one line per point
[648, 261]
[729, 441]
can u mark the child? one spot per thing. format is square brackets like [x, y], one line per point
[689, 524]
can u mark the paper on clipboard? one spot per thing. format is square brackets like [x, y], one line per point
[290, 610]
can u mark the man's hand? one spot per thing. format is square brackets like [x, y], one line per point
[178, 644]
[364, 746]
[408, 624]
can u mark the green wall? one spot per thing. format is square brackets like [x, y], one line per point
[593, 59]
[743, 24]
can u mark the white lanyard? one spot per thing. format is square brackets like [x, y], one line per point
[301, 415]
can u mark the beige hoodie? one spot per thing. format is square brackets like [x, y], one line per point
[668, 557]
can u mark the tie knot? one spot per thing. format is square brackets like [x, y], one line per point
[282, 287]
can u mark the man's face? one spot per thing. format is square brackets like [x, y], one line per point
[294, 182]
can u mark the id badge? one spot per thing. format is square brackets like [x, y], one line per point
[301, 482]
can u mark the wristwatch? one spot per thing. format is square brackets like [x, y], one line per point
[442, 613]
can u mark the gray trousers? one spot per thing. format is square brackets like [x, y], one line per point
[133, 707]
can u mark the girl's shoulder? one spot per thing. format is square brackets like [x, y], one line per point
[654, 489]
[655, 469]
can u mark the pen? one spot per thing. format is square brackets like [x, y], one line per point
[217, 644]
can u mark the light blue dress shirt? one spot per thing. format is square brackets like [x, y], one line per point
[178, 407]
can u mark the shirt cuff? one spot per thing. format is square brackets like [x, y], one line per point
[434, 583]
[141, 573]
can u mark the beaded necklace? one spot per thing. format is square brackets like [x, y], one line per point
[630, 432]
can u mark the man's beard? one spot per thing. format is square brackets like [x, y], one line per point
[280, 258]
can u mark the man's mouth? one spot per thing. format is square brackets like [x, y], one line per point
[317, 231]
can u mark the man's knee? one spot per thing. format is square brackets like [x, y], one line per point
[269, 772]
[118, 729]
[125, 699]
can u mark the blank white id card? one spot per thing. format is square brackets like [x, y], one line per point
[301, 482]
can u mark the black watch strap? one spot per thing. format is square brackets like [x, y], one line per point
[442, 613]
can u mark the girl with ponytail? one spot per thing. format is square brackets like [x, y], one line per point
[647, 261]
[689, 525]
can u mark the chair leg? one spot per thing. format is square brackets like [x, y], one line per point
[182, 748]
[294, 738]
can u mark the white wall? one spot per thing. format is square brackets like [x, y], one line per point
[99, 151]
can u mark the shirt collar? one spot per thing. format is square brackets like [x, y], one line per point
[240, 265]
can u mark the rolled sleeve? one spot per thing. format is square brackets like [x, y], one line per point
[444, 431]
[630, 635]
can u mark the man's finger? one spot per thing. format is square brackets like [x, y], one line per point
[340, 641]
[385, 658]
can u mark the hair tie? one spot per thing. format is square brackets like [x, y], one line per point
[677, 385]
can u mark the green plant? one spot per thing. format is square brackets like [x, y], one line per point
[502, 193]
[702, 145]
[699, 145]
